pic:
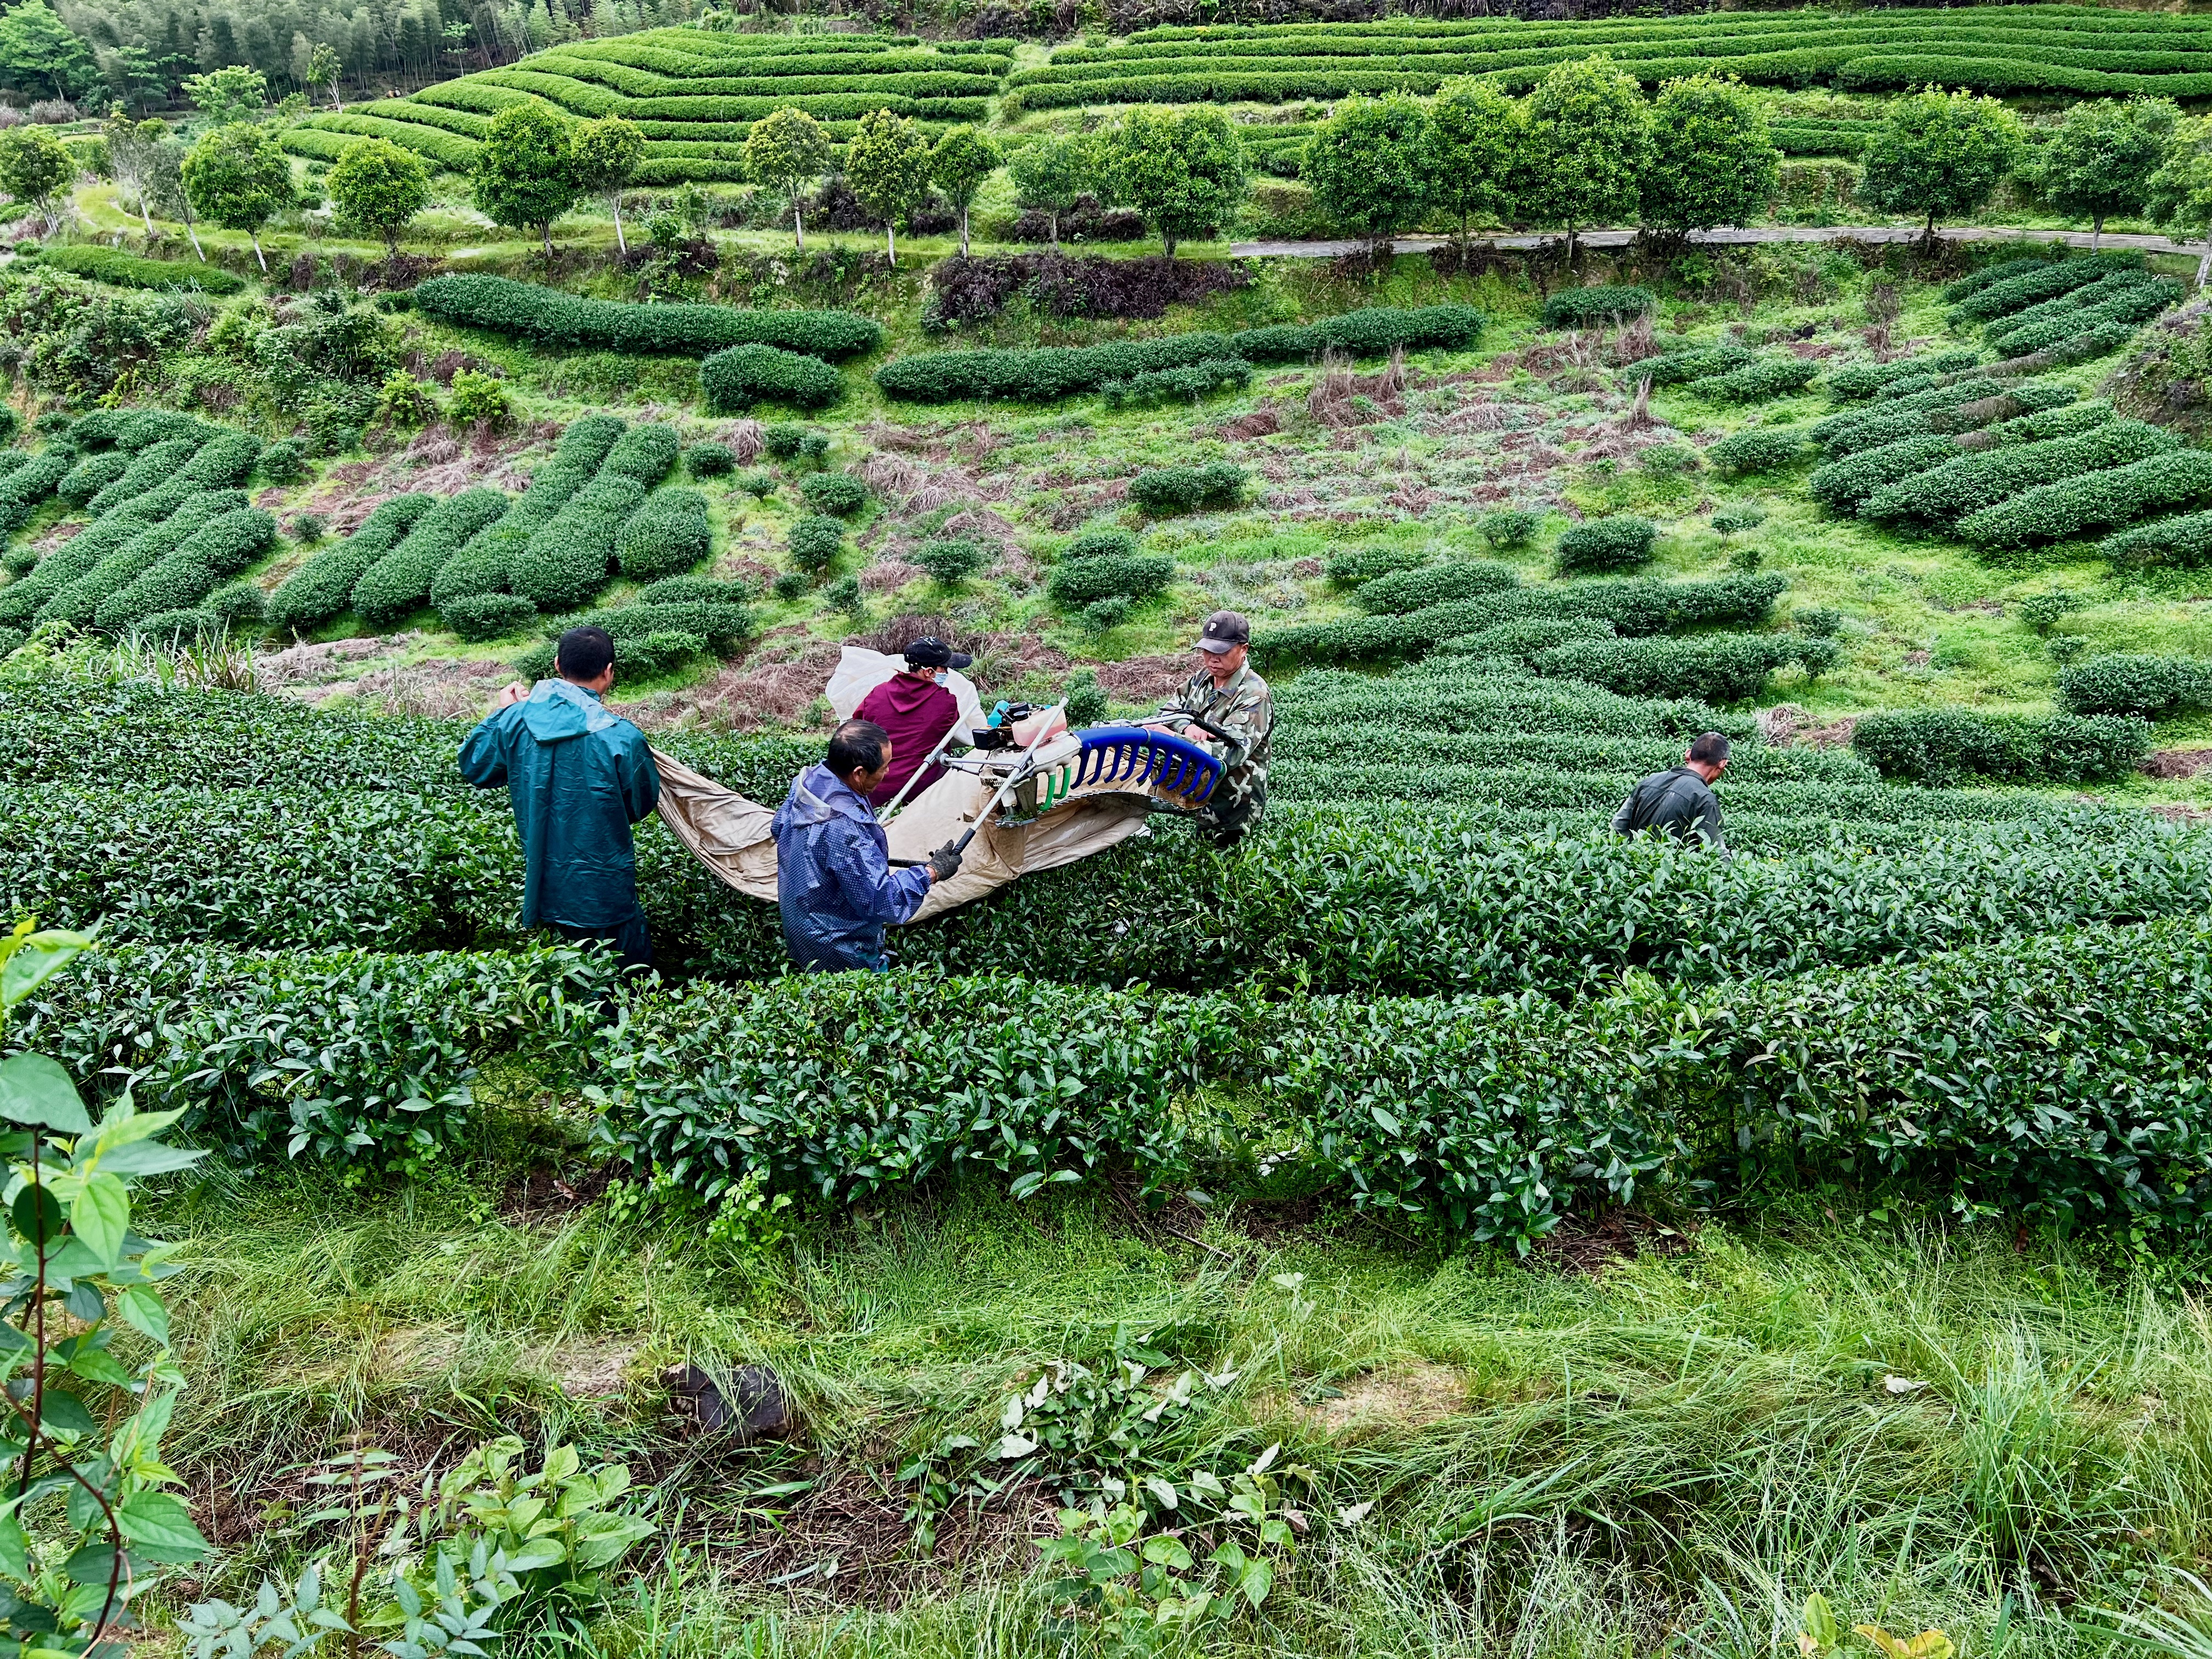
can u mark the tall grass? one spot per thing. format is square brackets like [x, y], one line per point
[1928, 1427]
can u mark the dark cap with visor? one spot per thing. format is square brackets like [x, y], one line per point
[1223, 632]
[928, 652]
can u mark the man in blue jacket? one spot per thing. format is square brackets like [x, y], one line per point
[578, 777]
[834, 879]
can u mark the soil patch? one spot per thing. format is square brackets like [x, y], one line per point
[1404, 1397]
[2177, 762]
[1589, 1244]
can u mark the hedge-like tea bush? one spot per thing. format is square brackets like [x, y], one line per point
[816, 543]
[833, 492]
[2156, 688]
[2046, 282]
[1713, 667]
[156, 464]
[1515, 645]
[1759, 449]
[79, 603]
[401, 581]
[1605, 546]
[1403, 591]
[670, 532]
[1856, 381]
[486, 615]
[92, 475]
[736, 380]
[1580, 307]
[1973, 482]
[2069, 421]
[571, 558]
[1180, 489]
[113, 265]
[2136, 303]
[1697, 363]
[709, 460]
[222, 547]
[1078, 582]
[527, 311]
[1939, 746]
[345, 1055]
[646, 452]
[1189, 383]
[2094, 501]
[2184, 540]
[1889, 419]
[2140, 295]
[1633, 607]
[1975, 281]
[323, 586]
[1844, 485]
[1756, 381]
[485, 565]
[24, 488]
[1045, 373]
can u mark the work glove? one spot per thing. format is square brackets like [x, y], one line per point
[944, 862]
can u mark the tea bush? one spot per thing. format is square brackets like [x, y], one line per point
[1940, 746]
[670, 532]
[567, 322]
[737, 378]
[1758, 449]
[1437, 584]
[401, 581]
[323, 586]
[1581, 307]
[1179, 488]
[1604, 546]
[2157, 687]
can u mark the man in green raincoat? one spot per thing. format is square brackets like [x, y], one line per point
[578, 778]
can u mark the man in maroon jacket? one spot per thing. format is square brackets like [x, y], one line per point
[916, 708]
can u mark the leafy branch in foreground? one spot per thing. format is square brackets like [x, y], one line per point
[88, 1522]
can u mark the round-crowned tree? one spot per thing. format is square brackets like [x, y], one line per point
[378, 187]
[1939, 155]
[1369, 166]
[525, 174]
[1713, 160]
[237, 177]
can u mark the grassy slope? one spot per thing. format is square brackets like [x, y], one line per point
[1680, 1447]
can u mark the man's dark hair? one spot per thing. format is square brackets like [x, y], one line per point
[583, 653]
[857, 746]
[1711, 749]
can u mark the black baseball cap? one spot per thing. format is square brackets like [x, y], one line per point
[928, 652]
[1223, 632]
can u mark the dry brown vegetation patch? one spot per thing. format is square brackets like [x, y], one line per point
[1404, 1397]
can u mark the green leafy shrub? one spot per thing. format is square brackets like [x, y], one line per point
[92, 475]
[1581, 307]
[1103, 615]
[401, 581]
[1185, 384]
[222, 547]
[657, 652]
[1756, 381]
[2139, 296]
[571, 557]
[737, 378]
[1635, 607]
[1822, 621]
[1084, 698]
[240, 605]
[1046, 373]
[477, 399]
[1856, 381]
[784, 442]
[282, 463]
[1436, 584]
[131, 547]
[2046, 282]
[670, 532]
[1096, 544]
[646, 453]
[1758, 449]
[1844, 485]
[1180, 489]
[548, 317]
[151, 467]
[1076, 583]
[2094, 501]
[1355, 567]
[816, 543]
[758, 485]
[1680, 367]
[1604, 546]
[1714, 667]
[951, 560]
[1938, 747]
[323, 586]
[833, 493]
[113, 266]
[2156, 688]
[486, 564]
[1507, 527]
[485, 616]
[709, 460]
[2185, 541]
[1959, 486]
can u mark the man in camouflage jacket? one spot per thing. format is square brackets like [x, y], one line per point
[1227, 692]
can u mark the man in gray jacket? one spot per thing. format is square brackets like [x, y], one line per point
[1680, 800]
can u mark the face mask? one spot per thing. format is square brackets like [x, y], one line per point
[941, 676]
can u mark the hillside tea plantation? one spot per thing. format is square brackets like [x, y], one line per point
[1433, 1225]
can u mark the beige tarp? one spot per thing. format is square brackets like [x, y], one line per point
[731, 835]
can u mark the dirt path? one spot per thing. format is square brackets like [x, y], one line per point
[1727, 237]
